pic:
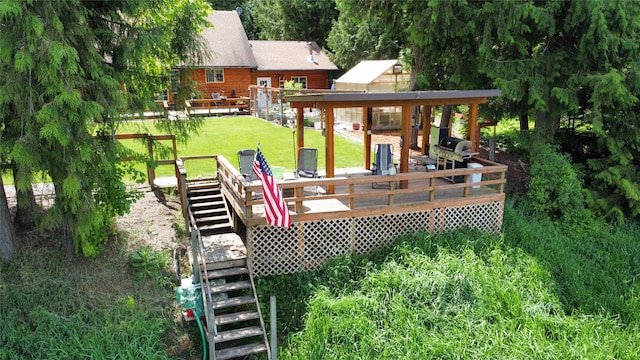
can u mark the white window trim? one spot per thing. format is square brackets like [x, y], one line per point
[206, 78]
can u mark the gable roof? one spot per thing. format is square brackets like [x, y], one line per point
[366, 71]
[289, 55]
[227, 42]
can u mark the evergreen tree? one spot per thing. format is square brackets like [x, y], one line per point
[70, 69]
[300, 20]
[553, 60]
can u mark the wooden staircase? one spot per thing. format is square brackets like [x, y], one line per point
[238, 327]
[209, 208]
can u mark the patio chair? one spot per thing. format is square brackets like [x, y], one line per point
[307, 164]
[245, 164]
[383, 164]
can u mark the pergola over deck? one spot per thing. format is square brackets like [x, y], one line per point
[331, 100]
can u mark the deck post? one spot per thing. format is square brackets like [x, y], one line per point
[194, 255]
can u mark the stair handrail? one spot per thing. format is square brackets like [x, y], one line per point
[205, 286]
[255, 297]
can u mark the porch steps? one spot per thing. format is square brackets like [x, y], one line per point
[239, 324]
[209, 208]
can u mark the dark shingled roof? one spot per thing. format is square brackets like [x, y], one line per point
[227, 42]
[289, 55]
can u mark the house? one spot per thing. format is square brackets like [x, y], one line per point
[301, 61]
[235, 62]
[374, 76]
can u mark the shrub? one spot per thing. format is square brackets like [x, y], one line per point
[555, 188]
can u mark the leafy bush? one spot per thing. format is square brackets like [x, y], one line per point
[555, 188]
[147, 263]
[308, 122]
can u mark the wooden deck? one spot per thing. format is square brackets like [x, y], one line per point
[354, 193]
[356, 212]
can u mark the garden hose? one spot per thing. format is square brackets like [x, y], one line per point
[204, 341]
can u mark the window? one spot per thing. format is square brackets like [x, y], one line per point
[300, 80]
[215, 75]
[174, 81]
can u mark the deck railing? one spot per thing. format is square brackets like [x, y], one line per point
[417, 190]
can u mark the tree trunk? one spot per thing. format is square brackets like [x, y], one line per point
[524, 121]
[67, 238]
[26, 209]
[7, 232]
[445, 121]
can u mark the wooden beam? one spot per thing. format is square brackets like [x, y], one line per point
[405, 142]
[367, 121]
[329, 148]
[299, 129]
[426, 129]
[473, 126]
[382, 103]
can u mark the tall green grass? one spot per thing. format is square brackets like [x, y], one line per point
[532, 293]
[51, 308]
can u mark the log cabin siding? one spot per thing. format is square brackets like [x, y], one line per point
[318, 79]
[235, 79]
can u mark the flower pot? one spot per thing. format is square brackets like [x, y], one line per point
[356, 126]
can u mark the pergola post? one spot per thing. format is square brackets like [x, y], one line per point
[426, 129]
[474, 132]
[405, 135]
[329, 148]
[299, 128]
[367, 121]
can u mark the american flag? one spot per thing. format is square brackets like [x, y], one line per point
[274, 206]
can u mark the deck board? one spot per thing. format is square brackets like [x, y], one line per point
[223, 250]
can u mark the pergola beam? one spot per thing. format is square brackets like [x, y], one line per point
[332, 100]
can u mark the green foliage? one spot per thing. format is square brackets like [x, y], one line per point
[555, 188]
[300, 20]
[57, 89]
[538, 291]
[147, 263]
[53, 309]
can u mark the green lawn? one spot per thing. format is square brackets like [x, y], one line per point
[226, 135]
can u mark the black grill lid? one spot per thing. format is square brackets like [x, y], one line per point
[454, 144]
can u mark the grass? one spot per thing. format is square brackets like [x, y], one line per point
[226, 135]
[532, 293]
[51, 308]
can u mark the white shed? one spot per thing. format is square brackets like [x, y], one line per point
[373, 76]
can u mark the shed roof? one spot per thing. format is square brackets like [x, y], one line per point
[289, 55]
[366, 71]
[227, 42]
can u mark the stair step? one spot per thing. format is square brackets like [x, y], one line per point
[205, 198]
[234, 301]
[213, 204]
[203, 190]
[235, 334]
[231, 286]
[213, 219]
[203, 185]
[213, 227]
[240, 351]
[237, 317]
[204, 212]
[216, 274]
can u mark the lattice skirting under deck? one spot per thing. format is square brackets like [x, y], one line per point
[308, 245]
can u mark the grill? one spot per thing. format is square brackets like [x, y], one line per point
[453, 153]
[454, 149]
